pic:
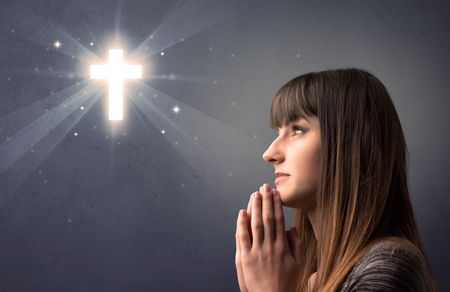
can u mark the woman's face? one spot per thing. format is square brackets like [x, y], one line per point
[296, 152]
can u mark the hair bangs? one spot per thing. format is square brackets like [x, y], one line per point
[292, 102]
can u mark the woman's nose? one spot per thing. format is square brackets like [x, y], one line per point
[272, 154]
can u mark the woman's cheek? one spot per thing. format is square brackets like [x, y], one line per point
[304, 191]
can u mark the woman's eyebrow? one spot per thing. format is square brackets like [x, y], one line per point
[294, 121]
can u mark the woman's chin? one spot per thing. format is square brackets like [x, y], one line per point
[292, 200]
[286, 199]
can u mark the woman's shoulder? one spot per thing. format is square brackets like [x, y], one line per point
[389, 265]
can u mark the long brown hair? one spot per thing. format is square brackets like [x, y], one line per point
[363, 194]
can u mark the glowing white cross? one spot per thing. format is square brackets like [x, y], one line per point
[116, 71]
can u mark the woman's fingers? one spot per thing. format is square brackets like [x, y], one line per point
[267, 213]
[265, 217]
[249, 213]
[239, 271]
[255, 260]
[242, 233]
[249, 206]
[256, 220]
[279, 217]
[238, 262]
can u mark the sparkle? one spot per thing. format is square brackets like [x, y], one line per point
[75, 134]
[91, 43]
[45, 181]
[69, 220]
[232, 55]
[182, 185]
[176, 109]
[215, 82]
[9, 78]
[162, 53]
[57, 44]
[163, 131]
[298, 56]
[176, 143]
[81, 107]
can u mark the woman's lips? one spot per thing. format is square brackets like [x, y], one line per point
[281, 178]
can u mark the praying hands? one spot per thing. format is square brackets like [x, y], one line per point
[268, 258]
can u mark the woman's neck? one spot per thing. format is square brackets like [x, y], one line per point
[315, 221]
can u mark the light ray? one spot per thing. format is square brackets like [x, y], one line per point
[52, 73]
[27, 137]
[12, 179]
[35, 28]
[186, 21]
[16, 120]
[178, 78]
[204, 142]
[94, 38]
[118, 17]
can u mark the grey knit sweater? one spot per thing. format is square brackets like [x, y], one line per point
[385, 268]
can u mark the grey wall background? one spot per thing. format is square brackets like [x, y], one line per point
[123, 208]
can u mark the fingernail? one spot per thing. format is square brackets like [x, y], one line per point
[274, 192]
[257, 195]
[267, 187]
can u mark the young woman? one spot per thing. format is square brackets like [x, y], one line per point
[340, 162]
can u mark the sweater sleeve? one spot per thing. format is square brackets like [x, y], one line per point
[385, 268]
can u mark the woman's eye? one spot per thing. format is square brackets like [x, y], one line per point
[298, 129]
